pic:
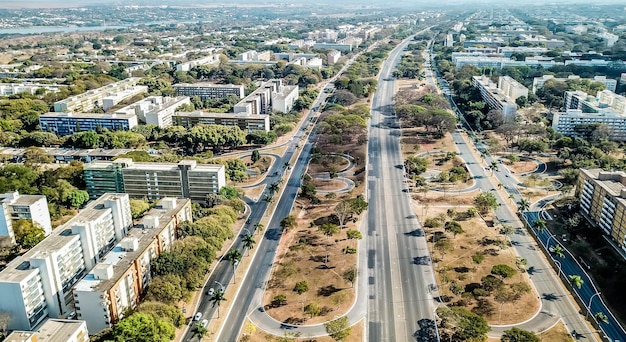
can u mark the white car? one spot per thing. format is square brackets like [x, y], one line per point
[197, 316]
[205, 322]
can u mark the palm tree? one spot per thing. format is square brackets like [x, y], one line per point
[234, 256]
[286, 166]
[248, 242]
[494, 166]
[576, 280]
[539, 224]
[258, 227]
[511, 197]
[601, 317]
[268, 198]
[200, 331]
[558, 250]
[274, 187]
[500, 185]
[217, 299]
[523, 204]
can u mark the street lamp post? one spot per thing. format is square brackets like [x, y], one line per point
[558, 263]
[589, 305]
[247, 231]
[221, 286]
[435, 319]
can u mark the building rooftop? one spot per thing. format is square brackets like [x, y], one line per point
[207, 84]
[131, 247]
[19, 268]
[221, 115]
[53, 330]
[15, 198]
[613, 182]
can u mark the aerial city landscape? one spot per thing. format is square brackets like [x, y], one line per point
[302, 171]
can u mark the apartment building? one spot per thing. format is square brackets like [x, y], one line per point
[605, 102]
[609, 83]
[291, 56]
[209, 91]
[186, 66]
[602, 199]
[345, 47]
[104, 97]
[255, 56]
[38, 284]
[155, 110]
[14, 206]
[53, 330]
[260, 101]
[502, 99]
[7, 89]
[333, 56]
[573, 121]
[154, 181]
[119, 280]
[64, 123]
[247, 122]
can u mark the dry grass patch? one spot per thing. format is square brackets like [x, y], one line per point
[327, 163]
[557, 333]
[252, 333]
[329, 184]
[301, 257]
[522, 166]
[464, 268]
[254, 192]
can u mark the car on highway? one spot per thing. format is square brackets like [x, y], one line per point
[197, 316]
[204, 323]
[210, 292]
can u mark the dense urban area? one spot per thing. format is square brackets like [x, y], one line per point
[303, 172]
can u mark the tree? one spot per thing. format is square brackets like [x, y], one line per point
[523, 204]
[301, 287]
[288, 222]
[142, 327]
[258, 227]
[470, 326]
[217, 299]
[539, 224]
[27, 233]
[329, 229]
[168, 289]
[234, 256]
[274, 187]
[519, 335]
[354, 234]
[343, 210]
[558, 250]
[576, 280]
[504, 271]
[312, 309]
[444, 246]
[485, 202]
[77, 198]
[454, 227]
[200, 331]
[279, 300]
[338, 329]
[163, 311]
[255, 156]
[350, 276]
[358, 204]
[36, 155]
[248, 242]
[138, 207]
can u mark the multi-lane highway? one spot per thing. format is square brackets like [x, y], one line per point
[399, 303]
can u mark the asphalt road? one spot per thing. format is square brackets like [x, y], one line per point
[400, 304]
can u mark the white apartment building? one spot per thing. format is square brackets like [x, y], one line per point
[186, 66]
[609, 83]
[123, 275]
[284, 100]
[246, 122]
[38, 284]
[333, 56]
[605, 102]
[53, 330]
[113, 93]
[155, 110]
[255, 56]
[502, 99]
[260, 101]
[14, 206]
[31, 88]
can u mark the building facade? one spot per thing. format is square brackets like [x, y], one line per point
[500, 98]
[31, 88]
[154, 181]
[246, 122]
[602, 198]
[69, 123]
[122, 277]
[14, 206]
[209, 91]
[609, 83]
[38, 284]
[572, 123]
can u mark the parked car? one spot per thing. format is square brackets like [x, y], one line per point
[197, 316]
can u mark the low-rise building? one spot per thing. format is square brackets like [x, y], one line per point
[62, 123]
[14, 206]
[154, 181]
[284, 99]
[209, 91]
[333, 56]
[53, 330]
[95, 98]
[602, 199]
[31, 88]
[122, 277]
[38, 284]
[186, 66]
[255, 56]
[246, 122]
[155, 110]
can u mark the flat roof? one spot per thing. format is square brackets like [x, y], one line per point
[19, 268]
[22, 199]
[87, 115]
[120, 259]
[612, 186]
[221, 115]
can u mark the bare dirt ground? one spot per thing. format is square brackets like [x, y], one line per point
[254, 192]
[250, 334]
[457, 268]
[326, 163]
[328, 184]
[521, 166]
